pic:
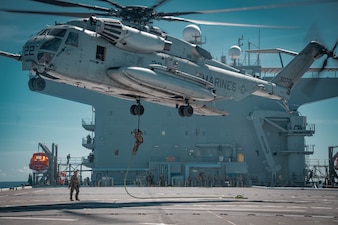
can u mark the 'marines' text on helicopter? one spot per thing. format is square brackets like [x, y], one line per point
[130, 59]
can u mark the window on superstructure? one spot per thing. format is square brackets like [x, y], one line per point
[116, 152]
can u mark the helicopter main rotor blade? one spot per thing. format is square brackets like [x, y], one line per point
[10, 55]
[115, 4]
[70, 4]
[160, 2]
[144, 15]
[203, 22]
[283, 5]
[67, 14]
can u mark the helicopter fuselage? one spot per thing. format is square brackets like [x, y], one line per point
[107, 56]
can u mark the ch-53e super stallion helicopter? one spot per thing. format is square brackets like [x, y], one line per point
[131, 59]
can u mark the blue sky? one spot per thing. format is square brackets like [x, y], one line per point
[28, 118]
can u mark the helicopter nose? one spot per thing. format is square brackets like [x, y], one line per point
[39, 51]
[29, 54]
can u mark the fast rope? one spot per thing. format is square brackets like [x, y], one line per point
[139, 114]
[125, 178]
[138, 122]
[131, 159]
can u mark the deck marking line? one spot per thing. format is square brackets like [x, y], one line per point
[39, 218]
[214, 214]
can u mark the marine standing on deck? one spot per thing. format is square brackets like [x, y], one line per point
[74, 185]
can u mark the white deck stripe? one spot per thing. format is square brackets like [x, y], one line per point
[36, 218]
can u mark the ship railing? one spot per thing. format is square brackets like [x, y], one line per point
[88, 159]
[312, 73]
[88, 143]
[317, 162]
[180, 159]
[310, 127]
[72, 160]
[88, 124]
[87, 121]
[307, 150]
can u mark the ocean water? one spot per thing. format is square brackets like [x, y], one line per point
[8, 184]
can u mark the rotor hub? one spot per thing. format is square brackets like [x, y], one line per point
[136, 14]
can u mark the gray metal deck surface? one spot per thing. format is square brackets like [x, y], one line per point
[170, 205]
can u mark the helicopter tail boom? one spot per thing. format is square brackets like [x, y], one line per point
[293, 72]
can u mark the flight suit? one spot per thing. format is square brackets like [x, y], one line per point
[74, 185]
[138, 140]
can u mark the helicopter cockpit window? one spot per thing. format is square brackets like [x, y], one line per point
[52, 44]
[100, 53]
[44, 32]
[72, 39]
[58, 32]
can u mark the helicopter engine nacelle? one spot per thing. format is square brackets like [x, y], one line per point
[129, 38]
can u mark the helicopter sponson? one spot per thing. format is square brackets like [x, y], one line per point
[159, 79]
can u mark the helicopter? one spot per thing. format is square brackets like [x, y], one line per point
[118, 52]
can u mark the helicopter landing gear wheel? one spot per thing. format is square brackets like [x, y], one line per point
[181, 110]
[185, 110]
[36, 84]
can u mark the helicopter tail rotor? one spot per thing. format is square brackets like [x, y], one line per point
[330, 54]
[312, 84]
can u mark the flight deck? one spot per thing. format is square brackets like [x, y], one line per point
[169, 205]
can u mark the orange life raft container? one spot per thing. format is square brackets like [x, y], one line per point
[39, 162]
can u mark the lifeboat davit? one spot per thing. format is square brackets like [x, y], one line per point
[39, 162]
